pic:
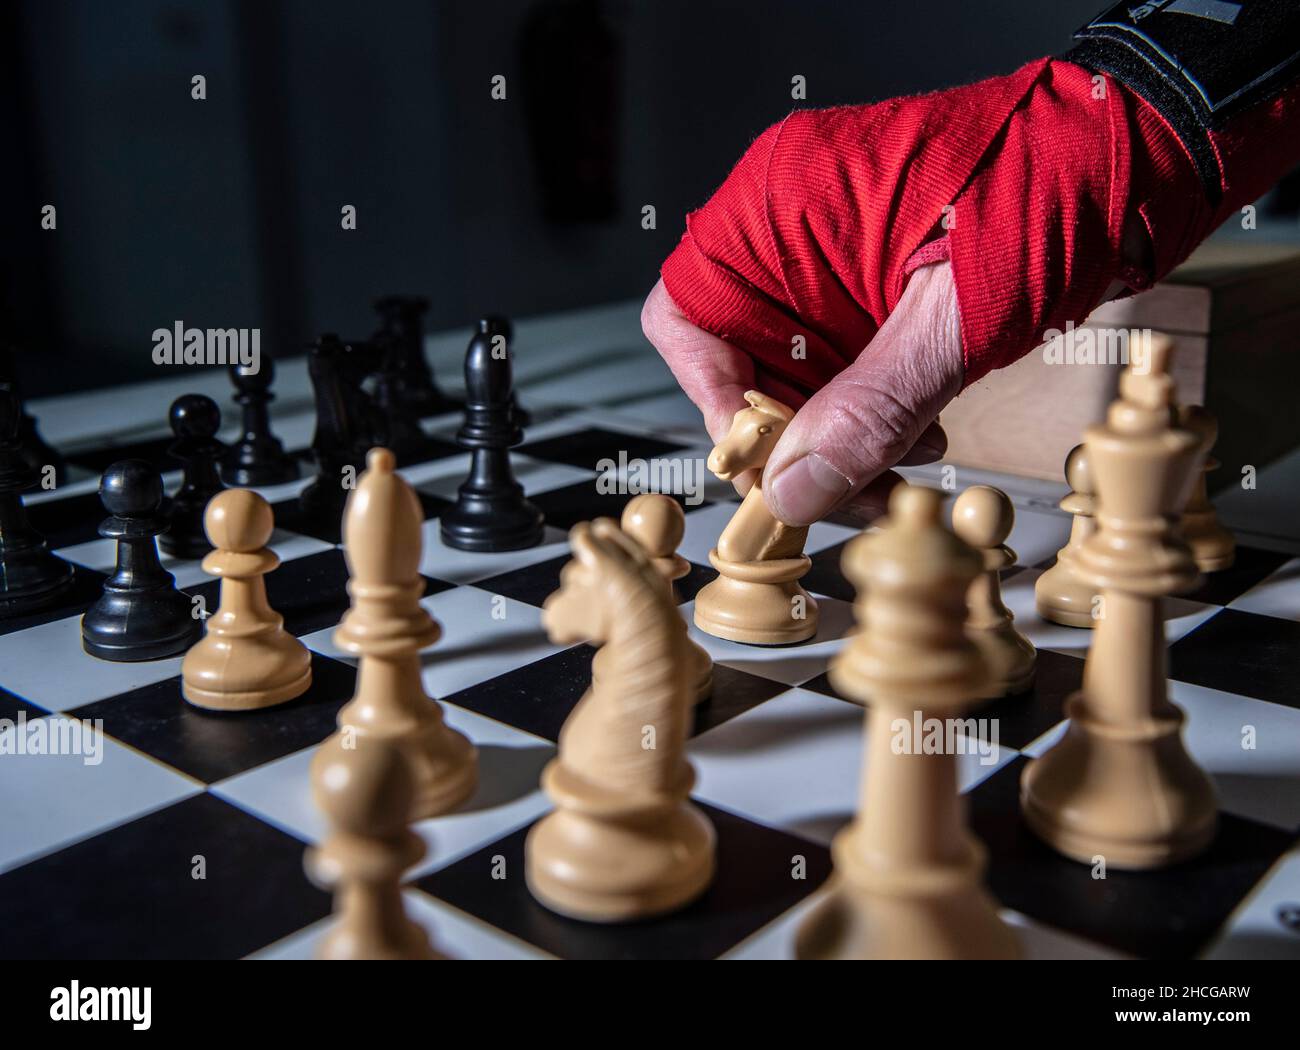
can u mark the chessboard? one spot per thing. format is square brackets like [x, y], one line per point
[183, 835]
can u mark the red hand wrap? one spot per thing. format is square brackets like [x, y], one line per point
[814, 232]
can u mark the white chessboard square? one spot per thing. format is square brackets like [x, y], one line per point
[671, 411]
[457, 566]
[808, 751]
[1181, 617]
[508, 795]
[443, 477]
[54, 800]
[101, 555]
[47, 666]
[790, 664]
[1037, 535]
[483, 636]
[452, 933]
[1251, 748]
[1278, 594]
[606, 379]
[704, 526]
[1260, 781]
[1257, 929]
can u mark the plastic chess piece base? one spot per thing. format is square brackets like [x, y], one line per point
[443, 764]
[323, 496]
[703, 675]
[1213, 547]
[1061, 597]
[130, 628]
[607, 858]
[269, 671]
[958, 924]
[1132, 796]
[474, 525]
[1012, 660]
[757, 603]
[246, 468]
[446, 774]
[34, 579]
[191, 546]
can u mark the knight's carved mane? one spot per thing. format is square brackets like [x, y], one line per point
[643, 681]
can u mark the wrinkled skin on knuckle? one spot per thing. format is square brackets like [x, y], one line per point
[882, 424]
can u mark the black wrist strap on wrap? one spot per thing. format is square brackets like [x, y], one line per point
[1197, 62]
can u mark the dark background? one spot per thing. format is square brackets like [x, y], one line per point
[226, 212]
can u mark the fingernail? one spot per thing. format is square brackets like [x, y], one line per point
[807, 489]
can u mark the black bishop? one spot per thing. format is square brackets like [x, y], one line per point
[491, 513]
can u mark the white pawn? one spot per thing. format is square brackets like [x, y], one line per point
[1061, 594]
[365, 791]
[984, 517]
[246, 660]
[658, 523]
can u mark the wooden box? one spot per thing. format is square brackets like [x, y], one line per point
[1233, 310]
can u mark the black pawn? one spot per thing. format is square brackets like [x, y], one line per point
[491, 513]
[195, 420]
[258, 457]
[402, 319]
[141, 615]
[31, 577]
[501, 326]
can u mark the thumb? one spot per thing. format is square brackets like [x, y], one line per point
[879, 411]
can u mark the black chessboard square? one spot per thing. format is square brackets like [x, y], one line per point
[1250, 566]
[214, 745]
[1241, 652]
[1024, 717]
[68, 520]
[587, 447]
[132, 892]
[12, 705]
[309, 592]
[566, 506]
[1172, 913]
[826, 577]
[686, 588]
[533, 584]
[753, 886]
[537, 697]
[291, 517]
[87, 586]
[152, 450]
[734, 692]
